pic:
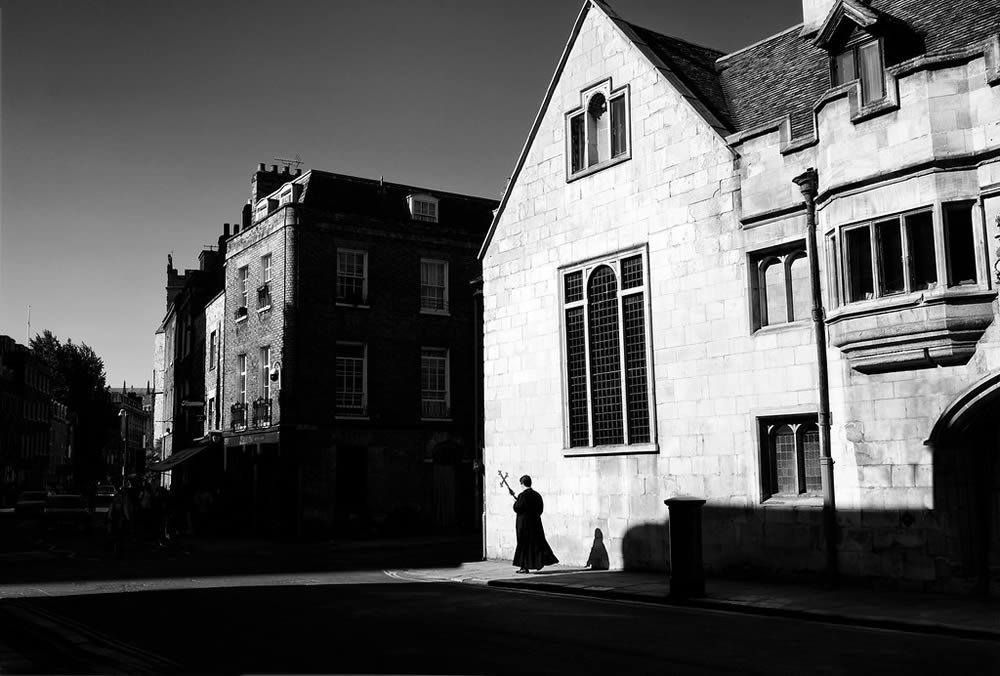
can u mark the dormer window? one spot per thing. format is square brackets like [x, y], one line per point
[290, 193]
[862, 61]
[597, 132]
[423, 208]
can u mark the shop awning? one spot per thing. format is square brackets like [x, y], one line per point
[176, 458]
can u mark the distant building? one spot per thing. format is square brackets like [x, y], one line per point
[649, 326]
[125, 453]
[25, 419]
[348, 331]
[179, 362]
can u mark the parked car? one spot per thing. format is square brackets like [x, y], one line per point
[103, 497]
[66, 511]
[30, 503]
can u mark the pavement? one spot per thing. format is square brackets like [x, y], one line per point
[850, 603]
[447, 559]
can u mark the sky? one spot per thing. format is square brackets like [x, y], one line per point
[129, 129]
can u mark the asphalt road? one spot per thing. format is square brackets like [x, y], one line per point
[369, 621]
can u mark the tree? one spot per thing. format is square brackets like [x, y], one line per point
[78, 380]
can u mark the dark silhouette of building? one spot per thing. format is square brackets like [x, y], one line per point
[347, 346]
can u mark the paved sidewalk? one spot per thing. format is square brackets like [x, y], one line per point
[850, 604]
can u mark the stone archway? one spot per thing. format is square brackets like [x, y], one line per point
[966, 445]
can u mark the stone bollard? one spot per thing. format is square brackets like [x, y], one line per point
[687, 574]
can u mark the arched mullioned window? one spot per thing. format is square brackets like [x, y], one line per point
[790, 456]
[598, 130]
[607, 354]
[780, 285]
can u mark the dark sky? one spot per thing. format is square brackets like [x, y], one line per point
[129, 128]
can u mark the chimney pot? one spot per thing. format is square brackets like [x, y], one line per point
[274, 168]
[298, 172]
[236, 228]
[225, 229]
[261, 167]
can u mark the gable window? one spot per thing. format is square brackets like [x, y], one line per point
[435, 398]
[862, 61]
[780, 287]
[423, 208]
[597, 133]
[608, 401]
[351, 395]
[433, 286]
[789, 456]
[352, 276]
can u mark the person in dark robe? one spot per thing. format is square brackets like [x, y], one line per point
[532, 552]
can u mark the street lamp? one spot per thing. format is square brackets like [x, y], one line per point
[123, 414]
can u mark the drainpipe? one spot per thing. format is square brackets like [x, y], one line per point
[478, 417]
[808, 182]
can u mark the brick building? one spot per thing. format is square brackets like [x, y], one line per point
[25, 420]
[179, 363]
[648, 297]
[348, 339]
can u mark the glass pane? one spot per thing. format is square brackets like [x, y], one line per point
[635, 369]
[810, 455]
[632, 272]
[774, 292]
[859, 264]
[576, 378]
[870, 70]
[577, 141]
[920, 239]
[832, 270]
[961, 245]
[843, 68]
[798, 273]
[784, 460]
[618, 135]
[890, 257]
[605, 361]
[574, 287]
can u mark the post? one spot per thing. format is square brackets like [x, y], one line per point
[123, 414]
[687, 571]
[808, 183]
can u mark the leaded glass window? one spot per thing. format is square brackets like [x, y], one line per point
[607, 353]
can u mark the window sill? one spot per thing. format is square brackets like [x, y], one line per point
[347, 416]
[359, 306]
[439, 313]
[241, 318]
[422, 419]
[797, 325]
[583, 173]
[619, 449]
[262, 310]
[808, 500]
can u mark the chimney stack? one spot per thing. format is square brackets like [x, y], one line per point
[814, 13]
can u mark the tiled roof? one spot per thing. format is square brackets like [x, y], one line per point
[335, 193]
[693, 65]
[786, 74]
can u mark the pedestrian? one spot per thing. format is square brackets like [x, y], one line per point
[533, 552]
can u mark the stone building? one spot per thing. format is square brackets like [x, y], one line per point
[648, 305]
[348, 355]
